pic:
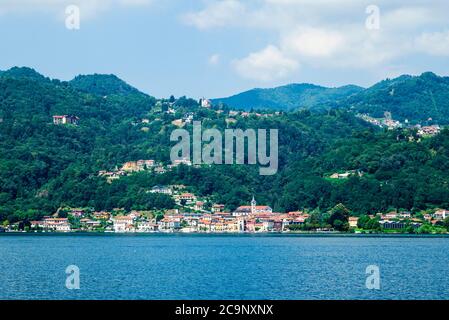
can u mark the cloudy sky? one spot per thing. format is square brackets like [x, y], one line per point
[215, 48]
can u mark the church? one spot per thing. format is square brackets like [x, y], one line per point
[253, 209]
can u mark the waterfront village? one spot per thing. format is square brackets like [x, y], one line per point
[198, 215]
[194, 214]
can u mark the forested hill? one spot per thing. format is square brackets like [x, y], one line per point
[102, 84]
[44, 166]
[412, 98]
[288, 97]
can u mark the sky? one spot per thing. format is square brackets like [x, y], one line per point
[216, 48]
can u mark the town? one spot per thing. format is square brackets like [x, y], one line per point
[197, 215]
[201, 214]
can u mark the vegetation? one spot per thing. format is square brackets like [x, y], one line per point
[44, 167]
[419, 99]
[289, 97]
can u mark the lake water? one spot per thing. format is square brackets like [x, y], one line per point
[222, 267]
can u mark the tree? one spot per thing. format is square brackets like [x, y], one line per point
[339, 217]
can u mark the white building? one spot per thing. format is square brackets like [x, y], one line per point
[123, 224]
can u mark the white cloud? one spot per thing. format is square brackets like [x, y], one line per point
[88, 8]
[217, 14]
[214, 59]
[328, 34]
[411, 18]
[435, 44]
[266, 65]
[313, 42]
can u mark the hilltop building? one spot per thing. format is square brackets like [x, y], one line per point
[205, 103]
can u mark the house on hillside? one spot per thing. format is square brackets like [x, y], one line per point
[65, 119]
[161, 189]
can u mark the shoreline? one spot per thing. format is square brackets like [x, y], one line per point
[228, 234]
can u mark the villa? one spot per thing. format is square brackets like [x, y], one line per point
[139, 165]
[441, 214]
[123, 224]
[161, 189]
[65, 119]
[146, 226]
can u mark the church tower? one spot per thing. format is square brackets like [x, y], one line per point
[253, 206]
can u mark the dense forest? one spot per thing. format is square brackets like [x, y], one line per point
[45, 166]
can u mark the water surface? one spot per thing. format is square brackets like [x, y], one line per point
[222, 267]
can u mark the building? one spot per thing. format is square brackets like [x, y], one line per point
[353, 222]
[170, 223]
[77, 213]
[139, 165]
[252, 209]
[199, 206]
[178, 122]
[188, 198]
[65, 119]
[345, 175]
[395, 225]
[161, 189]
[89, 224]
[178, 162]
[101, 215]
[123, 224]
[188, 117]
[54, 224]
[429, 131]
[111, 175]
[205, 103]
[146, 226]
[217, 207]
[440, 214]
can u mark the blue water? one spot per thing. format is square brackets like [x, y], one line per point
[222, 267]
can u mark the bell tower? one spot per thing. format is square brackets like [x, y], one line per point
[253, 206]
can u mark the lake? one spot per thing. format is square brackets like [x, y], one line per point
[171, 266]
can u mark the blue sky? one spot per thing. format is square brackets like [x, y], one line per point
[216, 48]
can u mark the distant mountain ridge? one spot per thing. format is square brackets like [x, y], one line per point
[288, 97]
[413, 98]
[23, 72]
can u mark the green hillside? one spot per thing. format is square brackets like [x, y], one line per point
[102, 84]
[45, 166]
[289, 97]
[412, 98]
[415, 98]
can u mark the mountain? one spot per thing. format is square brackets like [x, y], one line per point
[23, 73]
[44, 166]
[102, 84]
[412, 98]
[415, 98]
[288, 97]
